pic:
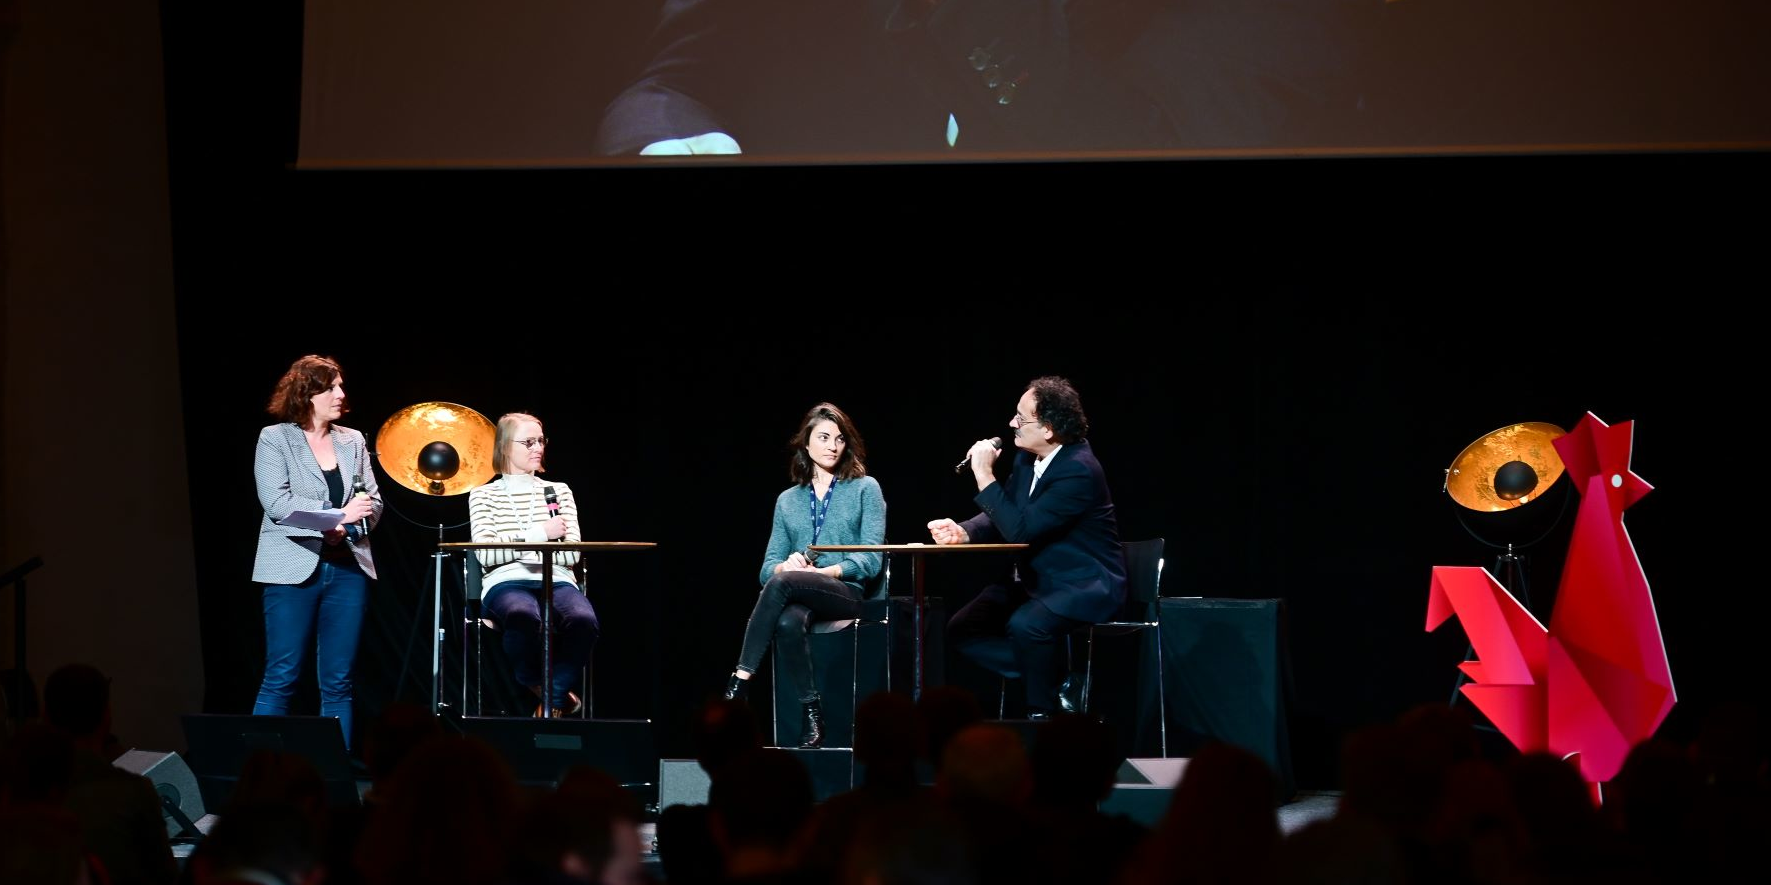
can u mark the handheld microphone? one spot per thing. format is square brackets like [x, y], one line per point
[553, 506]
[361, 491]
[961, 466]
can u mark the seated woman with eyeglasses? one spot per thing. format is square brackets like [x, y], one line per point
[520, 507]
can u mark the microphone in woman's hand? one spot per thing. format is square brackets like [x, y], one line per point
[361, 491]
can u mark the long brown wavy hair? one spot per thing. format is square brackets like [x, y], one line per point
[852, 463]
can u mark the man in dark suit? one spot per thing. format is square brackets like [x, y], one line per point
[1072, 574]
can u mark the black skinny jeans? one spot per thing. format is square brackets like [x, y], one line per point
[788, 604]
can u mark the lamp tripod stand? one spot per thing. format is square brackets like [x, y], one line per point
[439, 450]
[438, 558]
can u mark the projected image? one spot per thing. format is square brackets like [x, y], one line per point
[993, 75]
[397, 81]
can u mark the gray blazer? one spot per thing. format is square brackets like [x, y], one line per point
[289, 479]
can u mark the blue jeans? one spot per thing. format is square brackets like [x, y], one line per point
[516, 607]
[324, 612]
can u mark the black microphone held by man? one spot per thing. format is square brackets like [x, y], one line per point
[961, 466]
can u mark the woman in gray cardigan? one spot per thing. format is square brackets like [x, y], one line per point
[832, 501]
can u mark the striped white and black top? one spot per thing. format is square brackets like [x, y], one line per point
[512, 508]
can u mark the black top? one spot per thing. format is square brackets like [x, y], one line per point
[335, 553]
[335, 485]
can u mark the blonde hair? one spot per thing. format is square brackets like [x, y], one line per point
[507, 434]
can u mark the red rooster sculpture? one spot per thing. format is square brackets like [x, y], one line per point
[1596, 682]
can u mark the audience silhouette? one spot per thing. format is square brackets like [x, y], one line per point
[942, 797]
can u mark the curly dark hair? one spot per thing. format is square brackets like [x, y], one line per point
[854, 454]
[1058, 406]
[293, 400]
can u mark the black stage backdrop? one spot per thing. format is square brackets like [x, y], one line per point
[1279, 358]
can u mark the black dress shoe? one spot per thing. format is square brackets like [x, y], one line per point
[735, 688]
[1070, 694]
[1039, 715]
[812, 731]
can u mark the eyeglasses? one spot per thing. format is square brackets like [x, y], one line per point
[532, 442]
[1021, 421]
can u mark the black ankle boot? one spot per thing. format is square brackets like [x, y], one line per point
[735, 688]
[812, 732]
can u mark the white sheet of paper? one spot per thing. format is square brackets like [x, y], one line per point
[318, 520]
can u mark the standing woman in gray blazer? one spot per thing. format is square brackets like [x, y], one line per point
[316, 583]
[832, 501]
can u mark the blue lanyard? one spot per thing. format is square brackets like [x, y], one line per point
[817, 511]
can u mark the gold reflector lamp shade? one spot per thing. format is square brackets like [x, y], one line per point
[437, 448]
[1495, 480]
[1506, 468]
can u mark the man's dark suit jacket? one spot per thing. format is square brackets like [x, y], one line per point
[1075, 564]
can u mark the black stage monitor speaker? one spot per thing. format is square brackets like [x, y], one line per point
[1144, 788]
[1165, 773]
[682, 782]
[832, 770]
[181, 800]
[220, 744]
[540, 751]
